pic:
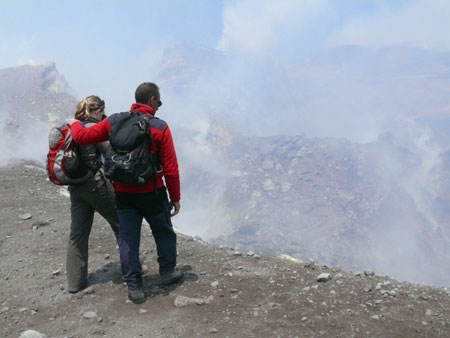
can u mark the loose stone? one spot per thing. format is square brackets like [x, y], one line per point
[367, 289]
[182, 301]
[89, 314]
[323, 277]
[32, 334]
[368, 272]
[38, 224]
[25, 216]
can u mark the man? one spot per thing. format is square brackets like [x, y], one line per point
[137, 202]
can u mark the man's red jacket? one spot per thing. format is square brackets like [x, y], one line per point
[160, 134]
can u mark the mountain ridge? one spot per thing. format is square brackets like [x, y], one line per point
[34, 98]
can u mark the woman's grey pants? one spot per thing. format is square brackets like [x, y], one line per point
[86, 198]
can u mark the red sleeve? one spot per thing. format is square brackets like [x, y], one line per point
[94, 134]
[169, 163]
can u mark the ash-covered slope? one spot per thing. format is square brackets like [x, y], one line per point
[336, 202]
[243, 294]
[32, 98]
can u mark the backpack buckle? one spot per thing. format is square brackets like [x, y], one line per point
[125, 160]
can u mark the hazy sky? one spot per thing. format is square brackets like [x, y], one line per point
[108, 47]
[97, 45]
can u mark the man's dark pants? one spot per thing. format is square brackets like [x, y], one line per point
[155, 208]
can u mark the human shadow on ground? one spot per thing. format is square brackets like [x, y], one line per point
[152, 283]
[153, 287]
[107, 273]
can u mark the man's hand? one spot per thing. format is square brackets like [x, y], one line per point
[176, 208]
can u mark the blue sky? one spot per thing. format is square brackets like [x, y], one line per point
[107, 47]
[118, 26]
[96, 42]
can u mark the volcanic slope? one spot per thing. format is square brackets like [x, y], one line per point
[229, 294]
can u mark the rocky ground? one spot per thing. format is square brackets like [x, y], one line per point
[225, 293]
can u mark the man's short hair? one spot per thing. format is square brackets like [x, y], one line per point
[145, 91]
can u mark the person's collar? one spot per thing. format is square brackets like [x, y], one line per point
[93, 119]
[142, 108]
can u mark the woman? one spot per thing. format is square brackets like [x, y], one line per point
[96, 194]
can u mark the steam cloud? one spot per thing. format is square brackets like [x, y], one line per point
[268, 81]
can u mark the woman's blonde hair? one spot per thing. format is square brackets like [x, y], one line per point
[85, 106]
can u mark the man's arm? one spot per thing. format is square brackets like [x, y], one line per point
[94, 134]
[169, 163]
[102, 146]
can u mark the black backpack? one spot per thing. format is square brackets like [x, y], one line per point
[129, 159]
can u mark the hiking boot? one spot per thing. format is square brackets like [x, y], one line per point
[136, 295]
[171, 277]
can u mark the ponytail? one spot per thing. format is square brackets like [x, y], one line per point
[85, 106]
